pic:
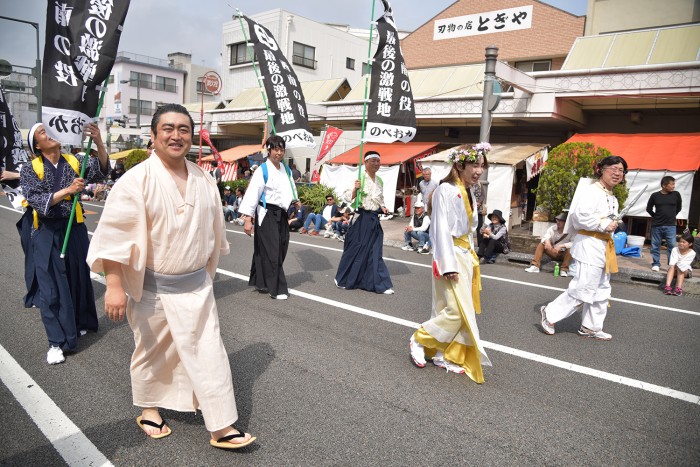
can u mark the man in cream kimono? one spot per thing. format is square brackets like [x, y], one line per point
[159, 241]
[592, 220]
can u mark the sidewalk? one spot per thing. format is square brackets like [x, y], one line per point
[631, 270]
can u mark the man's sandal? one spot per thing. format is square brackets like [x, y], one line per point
[223, 443]
[141, 422]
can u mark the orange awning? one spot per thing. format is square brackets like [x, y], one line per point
[392, 153]
[675, 152]
[234, 154]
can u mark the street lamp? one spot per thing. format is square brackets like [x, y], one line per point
[138, 104]
[37, 92]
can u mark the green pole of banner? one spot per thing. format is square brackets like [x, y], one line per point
[367, 77]
[83, 166]
[257, 73]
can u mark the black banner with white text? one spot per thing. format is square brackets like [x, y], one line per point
[12, 154]
[392, 116]
[82, 38]
[284, 95]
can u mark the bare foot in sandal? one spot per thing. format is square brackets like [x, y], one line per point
[230, 438]
[152, 423]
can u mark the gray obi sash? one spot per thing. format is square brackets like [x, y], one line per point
[174, 283]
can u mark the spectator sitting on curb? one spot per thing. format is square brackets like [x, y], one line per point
[494, 238]
[340, 223]
[679, 265]
[417, 229]
[229, 201]
[320, 218]
[296, 215]
[553, 245]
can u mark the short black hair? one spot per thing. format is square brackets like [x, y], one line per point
[666, 180]
[163, 109]
[275, 142]
[688, 237]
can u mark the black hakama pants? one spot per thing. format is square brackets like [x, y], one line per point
[67, 300]
[24, 227]
[362, 266]
[270, 244]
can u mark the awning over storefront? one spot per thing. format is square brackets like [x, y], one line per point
[391, 154]
[674, 152]
[234, 154]
[120, 155]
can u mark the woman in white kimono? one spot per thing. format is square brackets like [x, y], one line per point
[451, 336]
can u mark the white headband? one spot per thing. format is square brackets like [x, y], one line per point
[372, 155]
[30, 138]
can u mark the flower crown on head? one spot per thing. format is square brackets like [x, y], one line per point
[465, 154]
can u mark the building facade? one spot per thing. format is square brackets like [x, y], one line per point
[605, 16]
[316, 51]
[20, 92]
[192, 86]
[530, 35]
[138, 85]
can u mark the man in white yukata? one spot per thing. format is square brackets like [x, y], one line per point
[159, 241]
[592, 219]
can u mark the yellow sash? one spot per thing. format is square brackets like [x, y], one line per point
[463, 242]
[38, 166]
[610, 258]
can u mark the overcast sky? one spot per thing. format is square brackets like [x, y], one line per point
[158, 27]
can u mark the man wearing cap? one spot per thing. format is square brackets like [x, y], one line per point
[296, 214]
[555, 244]
[49, 183]
[362, 266]
[417, 229]
[229, 200]
[266, 201]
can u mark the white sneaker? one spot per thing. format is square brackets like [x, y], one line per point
[282, 296]
[546, 326]
[563, 274]
[447, 365]
[600, 335]
[388, 292]
[532, 268]
[417, 353]
[655, 268]
[326, 234]
[336, 284]
[55, 355]
[424, 251]
[407, 248]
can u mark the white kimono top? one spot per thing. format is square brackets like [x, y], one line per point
[147, 224]
[591, 212]
[449, 219]
[278, 191]
[373, 193]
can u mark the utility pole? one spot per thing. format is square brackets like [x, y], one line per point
[489, 78]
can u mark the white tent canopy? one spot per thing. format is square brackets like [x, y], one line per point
[342, 178]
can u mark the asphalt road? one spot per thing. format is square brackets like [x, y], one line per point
[324, 378]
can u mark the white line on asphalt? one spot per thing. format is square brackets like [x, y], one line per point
[73, 446]
[502, 279]
[664, 391]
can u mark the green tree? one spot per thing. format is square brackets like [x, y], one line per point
[134, 158]
[314, 195]
[566, 164]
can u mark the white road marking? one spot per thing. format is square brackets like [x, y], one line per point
[502, 279]
[664, 391]
[73, 446]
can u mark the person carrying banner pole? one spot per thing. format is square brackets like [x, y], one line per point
[51, 183]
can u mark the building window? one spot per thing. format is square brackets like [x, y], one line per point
[111, 79]
[33, 107]
[146, 108]
[304, 55]
[145, 80]
[365, 68]
[239, 54]
[350, 63]
[166, 84]
[529, 67]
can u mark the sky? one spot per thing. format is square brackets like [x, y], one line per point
[158, 27]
